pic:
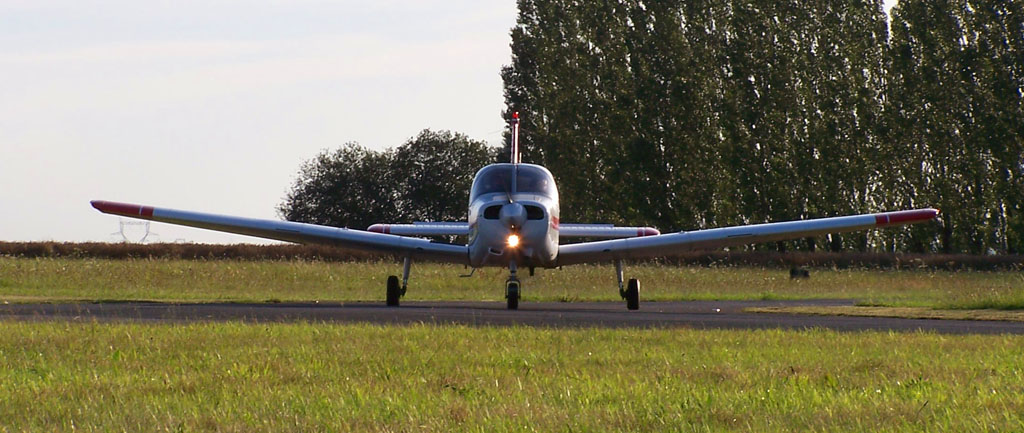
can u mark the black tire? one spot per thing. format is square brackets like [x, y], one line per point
[512, 294]
[633, 294]
[394, 291]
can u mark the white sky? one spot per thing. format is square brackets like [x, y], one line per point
[213, 105]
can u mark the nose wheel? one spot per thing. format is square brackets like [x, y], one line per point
[512, 293]
[512, 287]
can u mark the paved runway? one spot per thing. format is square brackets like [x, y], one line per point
[694, 314]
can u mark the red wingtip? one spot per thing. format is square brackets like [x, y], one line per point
[123, 209]
[905, 217]
[103, 206]
[379, 228]
[647, 231]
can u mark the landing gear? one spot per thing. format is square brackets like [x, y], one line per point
[631, 292]
[396, 292]
[512, 287]
[512, 293]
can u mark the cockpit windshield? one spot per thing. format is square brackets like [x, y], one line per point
[497, 178]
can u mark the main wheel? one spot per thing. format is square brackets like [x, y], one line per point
[394, 291]
[512, 294]
[633, 294]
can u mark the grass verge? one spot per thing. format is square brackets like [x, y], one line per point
[328, 377]
[169, 280]
[901, 312]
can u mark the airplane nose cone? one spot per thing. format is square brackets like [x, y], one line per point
[512, 215]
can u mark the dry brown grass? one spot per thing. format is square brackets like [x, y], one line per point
[101, 250]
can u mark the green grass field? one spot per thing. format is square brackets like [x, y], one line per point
[324, 377]
[63, 279]
[71, 376]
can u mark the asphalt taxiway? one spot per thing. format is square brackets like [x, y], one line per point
[692, 314]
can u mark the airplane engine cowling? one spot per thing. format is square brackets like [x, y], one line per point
[512, 215]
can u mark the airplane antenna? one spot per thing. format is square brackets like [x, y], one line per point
[515, 137]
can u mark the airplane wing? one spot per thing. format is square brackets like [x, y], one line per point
[603, 231]
[607, 231]
[294, 232]
[668, 244]
[423, 229]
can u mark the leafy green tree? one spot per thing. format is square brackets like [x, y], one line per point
[998, 32]
[550, 84]
[425, 179]
[349, 187]
[521, 82]
[599, 85]
[433, 173]
[955, 108]
[800, 108]
[664, 116]
[838, 72]
[691, 114]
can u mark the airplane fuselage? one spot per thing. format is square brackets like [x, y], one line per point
[513, 217]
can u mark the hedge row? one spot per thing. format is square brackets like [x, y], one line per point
[333, 254]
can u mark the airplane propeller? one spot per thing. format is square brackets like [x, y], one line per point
[512, 215]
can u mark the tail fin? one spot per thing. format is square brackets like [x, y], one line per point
[515, 137]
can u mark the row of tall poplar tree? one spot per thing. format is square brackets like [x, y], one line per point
[690, 114]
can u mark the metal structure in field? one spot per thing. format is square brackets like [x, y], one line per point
[514, 222]
[126, 227]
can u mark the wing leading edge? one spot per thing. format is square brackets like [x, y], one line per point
[294, 232]
[668, 244]
[606, 231]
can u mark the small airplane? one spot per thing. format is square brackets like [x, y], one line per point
[513, 222]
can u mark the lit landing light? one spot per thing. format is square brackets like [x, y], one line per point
[513, 240]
